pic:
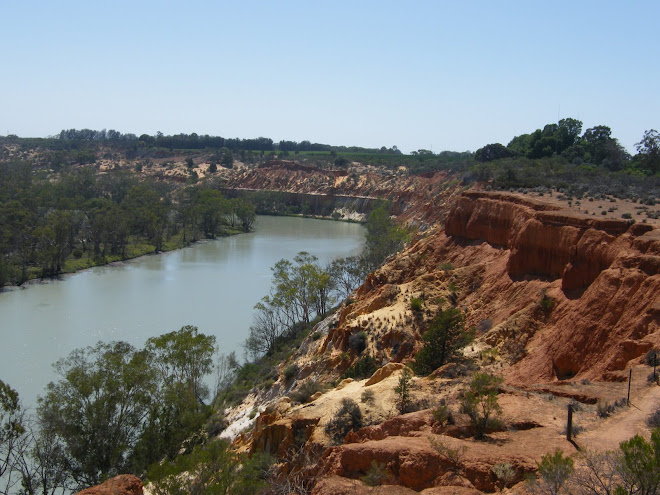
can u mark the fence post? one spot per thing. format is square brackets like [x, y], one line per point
[629, 380]
[569, 423]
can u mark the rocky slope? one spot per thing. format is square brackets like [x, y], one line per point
[603, 277]
[564, 305]
[415, 199]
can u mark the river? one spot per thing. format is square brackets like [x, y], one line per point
[212, 285]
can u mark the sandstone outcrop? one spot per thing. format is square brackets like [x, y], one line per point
[274, 433]
[605, 314]
[543, 239]
[577, 296]
[414, 198]
[124, 484]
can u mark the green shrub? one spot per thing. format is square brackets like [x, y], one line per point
[480, 403]
[504, 473]
[453, 454]
[201, 467]
[216, 425]
[362, 368]
[604, 409]
[576, 430]
[347, 418]
[554, 471]
[443, 415]
[416, 304]
[376, 474]
[368, 397]
[306, 390]
[639, 464]
[445, 336]
[654, 419]
[546, 303]
[358, 342]
[290, 371]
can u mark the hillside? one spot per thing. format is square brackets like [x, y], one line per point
[564, 304]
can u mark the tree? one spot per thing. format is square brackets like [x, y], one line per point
[189, 213]
[213, 208]
[300, 288]
[265, 330]
[246, 213]
[445, 336]
[604, 149]
[347, 274]
[403, 391]
[492, 152]
[639, 464]
[42, 463]
[480, 403]
[552, 139]
[384, 237]
[174, 419]
[184, 356]
[214, 469]
[12, 431]
[98, 407]
[227, 158]
[648, 150]
[569, 130]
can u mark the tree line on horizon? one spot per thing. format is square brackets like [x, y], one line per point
[194, 141]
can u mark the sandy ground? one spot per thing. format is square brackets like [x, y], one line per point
[623, 425]
[608, 207]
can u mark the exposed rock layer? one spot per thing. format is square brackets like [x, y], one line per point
[124, 484]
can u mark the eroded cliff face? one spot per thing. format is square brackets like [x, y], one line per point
[603, 277]
[563, 297]
[415, 199]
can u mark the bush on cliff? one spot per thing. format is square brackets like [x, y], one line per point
[347, 418]
[444, 337]
[480, 403]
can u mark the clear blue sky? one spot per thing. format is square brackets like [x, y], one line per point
[426, 74]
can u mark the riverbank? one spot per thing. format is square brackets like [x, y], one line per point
[352, 217]
[134, 250]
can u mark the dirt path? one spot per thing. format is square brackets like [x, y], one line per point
[622, 425]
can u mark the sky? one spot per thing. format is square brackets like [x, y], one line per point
[438, 75]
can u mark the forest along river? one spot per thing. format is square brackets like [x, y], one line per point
[212, 285]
